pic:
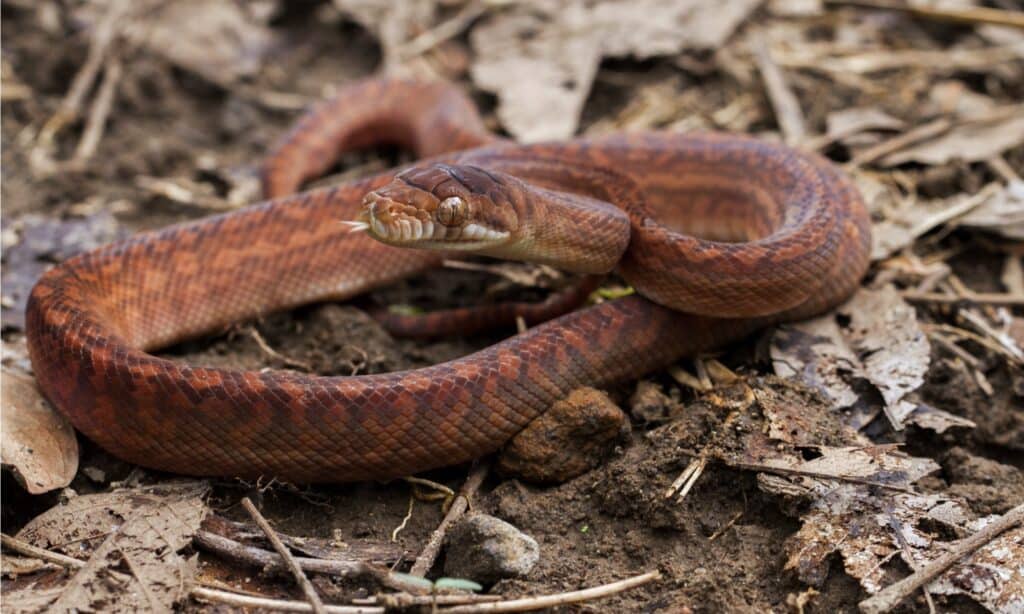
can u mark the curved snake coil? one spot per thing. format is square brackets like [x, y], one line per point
[93, 319]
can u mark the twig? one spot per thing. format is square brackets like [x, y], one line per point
[977, 298]
[459, 506]
[973, 336]
[971, 15]
[405, 520]
[908, 556]
[300, 577]
[687, 478]
[888, 598]
[732, 521]
[257, 557]
[784, 102]
[271, 352]
[267, 560]
[915, 135]
[551, 601]
[98, 114]
[442, 32]
[247, 601]
[102, 37]
[399, 601]
[15, 544]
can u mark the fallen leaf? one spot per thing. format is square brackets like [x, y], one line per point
[33, 244]
[881, 343]
[849, 125]
[540, 57]
[884, 333]
[1001, 213]
[815, 352]
[993, 575]
[36, 443]
[971, 141]
[911, 218]
[132, 540]
[223, 42]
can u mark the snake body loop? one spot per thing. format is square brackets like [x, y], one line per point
[736, 232]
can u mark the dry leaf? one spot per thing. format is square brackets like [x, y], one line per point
[223, 42]
[132, 539]
[540, 57]
[32, 243]
[993, 576]
[815, 352]
[893, 349]
[36, 443]
[970, 142]
[912, 218]
[882, 343]
[1001, 213]
[848, 125]
[861, 526]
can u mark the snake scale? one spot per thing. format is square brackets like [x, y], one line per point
[737, 232]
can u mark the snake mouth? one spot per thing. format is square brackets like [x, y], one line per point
[383, 220]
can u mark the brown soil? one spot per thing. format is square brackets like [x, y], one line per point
[605, 525]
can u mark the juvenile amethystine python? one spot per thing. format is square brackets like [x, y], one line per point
[783, 236]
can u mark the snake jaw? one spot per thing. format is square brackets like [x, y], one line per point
[405, 225]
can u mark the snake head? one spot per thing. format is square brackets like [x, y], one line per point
[442, 206]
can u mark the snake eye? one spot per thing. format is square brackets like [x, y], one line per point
[452, 211]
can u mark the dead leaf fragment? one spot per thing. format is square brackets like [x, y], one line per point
[223, 42]
[132, 539]
[1001, 212]
[993, 575]
[540, 57]
[884, 332]
[882, 344]
[971, 141]
[36, 443]
[33, 243]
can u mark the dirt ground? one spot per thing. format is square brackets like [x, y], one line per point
[725, 546]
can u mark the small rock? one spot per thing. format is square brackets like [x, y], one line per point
[486, 549]
[571, 438]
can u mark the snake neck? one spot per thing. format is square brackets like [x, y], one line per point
[570, 232]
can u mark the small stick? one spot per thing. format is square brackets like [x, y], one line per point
[271, 352]
[442, 32]
[278, 605]
[98, 113]
[915, 135]
[888, 598]
[17, 545]
[972, 15]
[102, 37]
[551, 601]
[257, 557]
[784, 102]
[405, 600]
[459, 506]
[316, 605]
[979, 298]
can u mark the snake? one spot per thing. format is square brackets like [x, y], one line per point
[721, 235]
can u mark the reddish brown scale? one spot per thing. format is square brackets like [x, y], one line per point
[92, 319]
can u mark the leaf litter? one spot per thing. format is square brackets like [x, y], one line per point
[927, 119]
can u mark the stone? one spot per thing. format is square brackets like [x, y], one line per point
[486, 549]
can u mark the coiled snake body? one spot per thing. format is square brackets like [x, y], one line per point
[802, 247]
